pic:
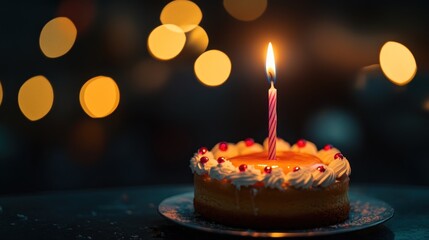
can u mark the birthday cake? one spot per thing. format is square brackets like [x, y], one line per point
[236, 185]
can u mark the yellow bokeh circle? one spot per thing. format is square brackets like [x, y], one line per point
[99, 96]
[35, 98]
[212, 68]
[166, 41]
[245, 10]
[57, 37]
[185, 14]
[197, 40]
[397, 63]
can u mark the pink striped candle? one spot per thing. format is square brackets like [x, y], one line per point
[272, 103]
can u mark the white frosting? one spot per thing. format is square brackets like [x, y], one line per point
[327, 155]
[199, 168]
[323, 179]
[231, 151]
[309, 148]
[244, 149]
[341, 167]
[246, 178]
[281, 145]
[275, 179]
[300, 179]
[222, 170]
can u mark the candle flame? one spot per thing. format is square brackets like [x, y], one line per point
[270, 65]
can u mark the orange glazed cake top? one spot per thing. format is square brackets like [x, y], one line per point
[246, 163]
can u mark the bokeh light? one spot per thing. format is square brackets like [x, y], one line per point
[57, 37]
[197, 40]
[35, 98]
[245, 10]
[1, 93]
[212, 68]
[166, 41]
[398, 63]
[185, 14]
[99, 96]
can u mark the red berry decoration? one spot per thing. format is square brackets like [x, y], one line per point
[268, 169]
[223, 146]
[301, 143]
[242, 167]
[202, 150]
[220, 160]
[204, 160]
[249, 142]
[296, 169]
[328, 147]
[339, 155]
[321, 169]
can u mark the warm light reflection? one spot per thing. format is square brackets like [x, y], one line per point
[212, 68]
[270, 64]
[35, 98]
[57, 37]
[1, 93]
[197, 40]
[245, 10]
[166, 41]
[185, 14]
[398, 63]
[99, 96]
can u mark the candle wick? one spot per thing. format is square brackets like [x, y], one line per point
[272, 84]
[271, 76]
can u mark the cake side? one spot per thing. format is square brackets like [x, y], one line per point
[266, 208]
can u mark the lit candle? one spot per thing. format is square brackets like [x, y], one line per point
[272, 103]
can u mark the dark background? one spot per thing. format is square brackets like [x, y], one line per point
[320, 48]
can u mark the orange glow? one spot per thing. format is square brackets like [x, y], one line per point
[398, 63]
[166, 41]
[270, 64]
[99, 96]
[57, 37]
[212, 68]
[197, 40]
[185, 14]
[35, 98]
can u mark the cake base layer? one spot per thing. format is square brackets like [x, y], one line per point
[266, 208]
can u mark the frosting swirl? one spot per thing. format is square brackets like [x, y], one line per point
[304, 146]
[341, 167]
[246, 178]
[300, 179]
[323, 176]
[275, 179]
[202, 168]
[281, 145]
[327, 155]
[222, 170]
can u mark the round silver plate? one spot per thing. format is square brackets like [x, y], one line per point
[365, 212]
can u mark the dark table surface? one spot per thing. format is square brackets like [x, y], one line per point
[131, 213]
